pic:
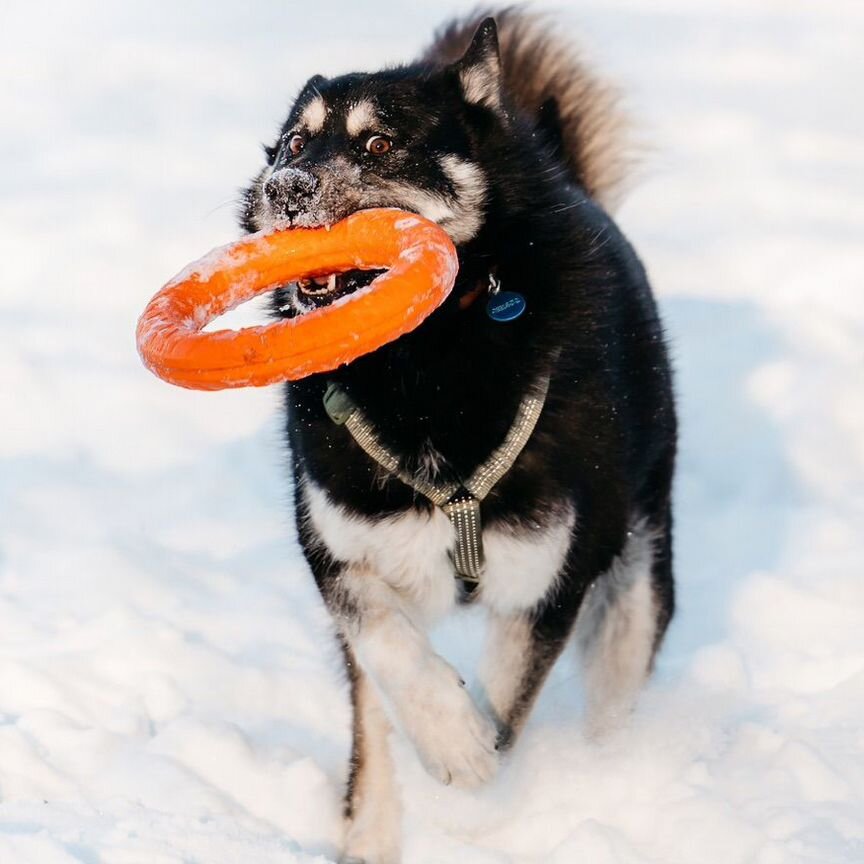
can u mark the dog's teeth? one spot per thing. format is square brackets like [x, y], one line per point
[331, 282]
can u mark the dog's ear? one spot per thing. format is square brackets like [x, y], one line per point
[310, 90]
[313, 84]
[479, 69]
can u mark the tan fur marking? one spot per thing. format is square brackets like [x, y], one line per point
[616, 631]
[314, 115]
[480, 86]
[505, 660]
[361, 118]
[372, 833]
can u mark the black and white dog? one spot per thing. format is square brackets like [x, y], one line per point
[499, 135]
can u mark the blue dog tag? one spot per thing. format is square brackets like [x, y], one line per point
[505, 306]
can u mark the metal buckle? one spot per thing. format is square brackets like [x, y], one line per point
[338, 404]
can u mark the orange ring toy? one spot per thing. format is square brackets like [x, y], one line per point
[421, 266]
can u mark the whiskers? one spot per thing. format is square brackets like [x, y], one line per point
[230, 202]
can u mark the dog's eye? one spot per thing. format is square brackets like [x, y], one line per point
[296, 143]
[378, 145]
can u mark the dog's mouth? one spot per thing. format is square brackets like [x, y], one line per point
[324, 290]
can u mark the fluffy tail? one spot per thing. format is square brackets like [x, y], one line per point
[545, 79]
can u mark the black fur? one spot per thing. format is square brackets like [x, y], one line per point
[606, 438]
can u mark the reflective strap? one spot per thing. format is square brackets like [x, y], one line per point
[365, 436]
[343, 412]
[464, 514]
[462, 509]
[502, 458]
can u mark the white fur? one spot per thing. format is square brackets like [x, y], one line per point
[460, 212]
[454, 741]
[469, 186]
[433, 206]
[522, 567]
[407, 553]
[411, 553]
[361, 117]
[616, 631]
[467, 180]
[313, 115]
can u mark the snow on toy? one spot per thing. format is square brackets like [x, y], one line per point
[420, 264]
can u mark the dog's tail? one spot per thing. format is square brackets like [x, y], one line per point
[545, 79]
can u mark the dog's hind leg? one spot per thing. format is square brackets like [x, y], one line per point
[373, 810]
[619, 608]
[514, 665]
[520, 650]
[621, 625]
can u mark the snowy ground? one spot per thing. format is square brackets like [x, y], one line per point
[168, 690]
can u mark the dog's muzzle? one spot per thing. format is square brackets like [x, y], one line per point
[289, 191]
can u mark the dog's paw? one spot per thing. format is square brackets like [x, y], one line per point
[455, 742]
[373, 839]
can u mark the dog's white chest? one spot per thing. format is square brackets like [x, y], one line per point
[412, 553]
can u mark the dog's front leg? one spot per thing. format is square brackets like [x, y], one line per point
[373, 810]
[429, 702]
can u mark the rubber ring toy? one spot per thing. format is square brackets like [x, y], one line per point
[420, 263]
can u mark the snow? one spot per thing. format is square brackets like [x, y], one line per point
[168, 689]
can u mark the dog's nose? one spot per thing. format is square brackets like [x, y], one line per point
[288, 189]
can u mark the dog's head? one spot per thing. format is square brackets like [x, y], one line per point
[403, 138]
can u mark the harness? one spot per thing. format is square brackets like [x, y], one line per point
[460, 501]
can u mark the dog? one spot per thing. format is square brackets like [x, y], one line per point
[544, 374]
